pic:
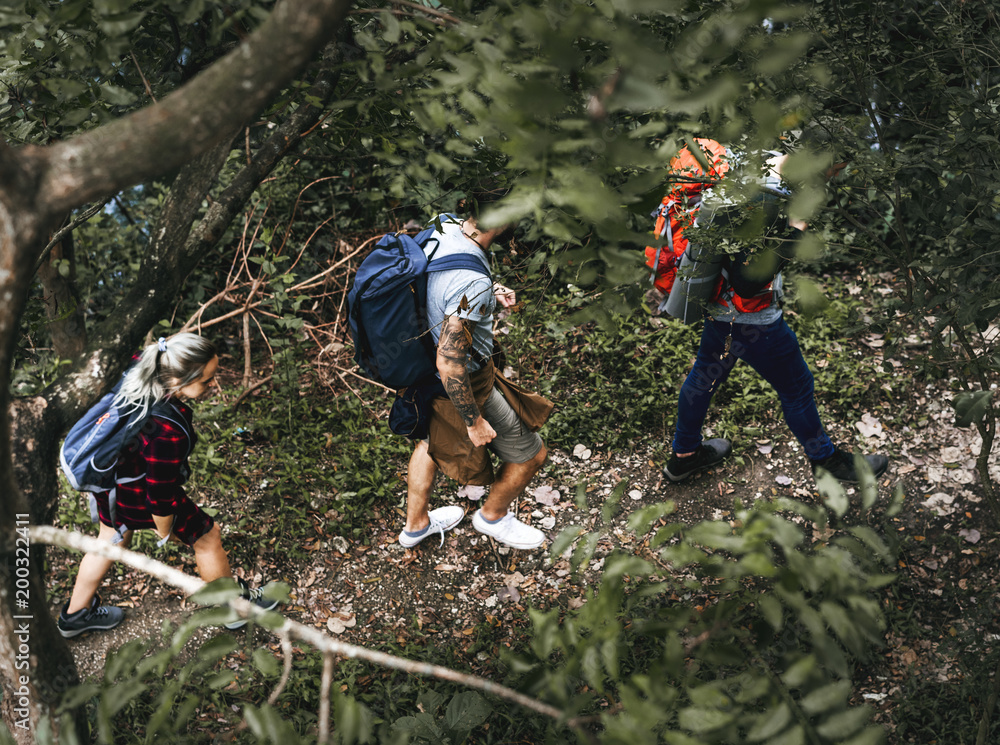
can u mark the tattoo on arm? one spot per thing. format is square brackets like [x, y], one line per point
[459, 390]
[453, 355]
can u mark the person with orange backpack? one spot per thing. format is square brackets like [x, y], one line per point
[739, 296]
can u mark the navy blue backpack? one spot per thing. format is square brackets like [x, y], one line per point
[90, 452]
[387, 307]
[387, 318]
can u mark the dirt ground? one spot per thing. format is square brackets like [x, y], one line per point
[360, 593]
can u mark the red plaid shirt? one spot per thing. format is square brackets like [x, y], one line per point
[159, 465]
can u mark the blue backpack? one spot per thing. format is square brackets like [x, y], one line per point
[387, 307]
[90, 452]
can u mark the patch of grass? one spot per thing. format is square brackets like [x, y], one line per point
[615, 384]
[336, 459]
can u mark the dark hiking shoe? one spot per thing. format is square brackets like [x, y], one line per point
[841, 466]
[95, 618]
[256, 596]
[707, 455]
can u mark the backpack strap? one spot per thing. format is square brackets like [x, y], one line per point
[462, 261]
[166, 410]
[458, 261]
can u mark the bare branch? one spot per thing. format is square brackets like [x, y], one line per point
[324, 700]
[289, 629]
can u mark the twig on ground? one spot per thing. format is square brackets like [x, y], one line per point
[251, 389]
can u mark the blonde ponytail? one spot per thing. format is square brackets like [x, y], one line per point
[164, 368]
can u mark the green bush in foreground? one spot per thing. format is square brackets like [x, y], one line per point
[725, 632]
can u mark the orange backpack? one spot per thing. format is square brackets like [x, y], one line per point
[678, 211]
[679, 208]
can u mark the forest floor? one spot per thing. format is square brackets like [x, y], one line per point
[941, 611]
[367, 593]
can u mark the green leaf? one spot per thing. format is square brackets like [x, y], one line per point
[641, 520]
[217, 592]
[800, 672]
[115, 698]
[770, 723]
[770, 609]
[830, 696]
[265, 661]
[466, 711]
[221, 680]
[844, 723]
[121, 24]
[870, 736]
[699, 720]
[833, 493]
[117, 96]
[564, 540]
[280, 591]
[809, 295]
[794, 736]
[971, 408]
[78, 695]
[585, 551]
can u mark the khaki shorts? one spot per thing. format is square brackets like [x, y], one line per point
[514, 443]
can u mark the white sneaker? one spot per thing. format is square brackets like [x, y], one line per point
[442, 519]
[509, 530]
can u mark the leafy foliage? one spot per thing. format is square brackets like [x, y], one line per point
[731, 633]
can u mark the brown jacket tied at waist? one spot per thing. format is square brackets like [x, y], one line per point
[449, 443]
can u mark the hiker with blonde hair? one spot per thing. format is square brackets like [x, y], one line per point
[150, 471]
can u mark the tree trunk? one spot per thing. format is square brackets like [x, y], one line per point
[62, 303]
[38, 185]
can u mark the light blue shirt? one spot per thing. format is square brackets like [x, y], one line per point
[450, 290]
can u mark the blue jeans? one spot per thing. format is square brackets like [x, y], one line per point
[773, 351]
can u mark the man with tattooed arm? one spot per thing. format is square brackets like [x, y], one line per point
[484, 412]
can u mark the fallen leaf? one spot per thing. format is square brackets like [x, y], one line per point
[546, 495]
[509, 593]
[952, 455]
[869, 426]
[338, 623]
[474, 493]
[971, 535]
[940, 502]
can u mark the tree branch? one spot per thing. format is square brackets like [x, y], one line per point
[194, 118]
[291, 629]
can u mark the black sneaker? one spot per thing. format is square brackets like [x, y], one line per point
[707, 455]
[841, 466]
[256, 596]
[95, 618]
